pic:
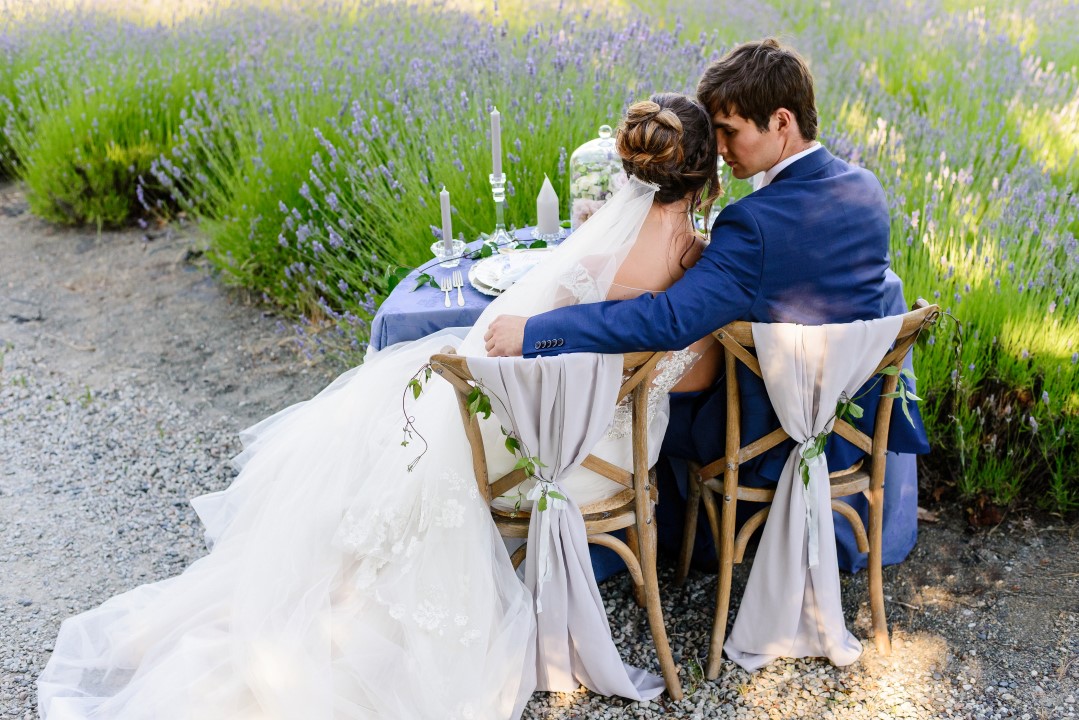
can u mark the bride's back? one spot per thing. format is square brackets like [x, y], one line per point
[665, 248]
[669, 141]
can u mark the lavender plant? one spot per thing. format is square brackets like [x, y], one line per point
[311, 140]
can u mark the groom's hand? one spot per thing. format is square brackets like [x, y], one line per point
[505, 336]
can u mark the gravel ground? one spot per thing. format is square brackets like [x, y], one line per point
[127, 370]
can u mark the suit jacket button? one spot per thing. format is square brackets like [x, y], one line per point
[538, 345]
[560, 342]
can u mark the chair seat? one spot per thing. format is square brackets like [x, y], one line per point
[844, 482]
[613, 513]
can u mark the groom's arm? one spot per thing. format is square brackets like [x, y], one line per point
[719, 288]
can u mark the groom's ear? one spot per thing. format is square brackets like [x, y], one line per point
[785, 121]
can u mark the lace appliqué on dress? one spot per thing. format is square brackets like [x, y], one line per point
[382, 536]
[581, 285]
[668, 372]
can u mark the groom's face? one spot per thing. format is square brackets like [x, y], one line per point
[743, 147]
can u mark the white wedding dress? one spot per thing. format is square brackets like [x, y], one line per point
[340, 584]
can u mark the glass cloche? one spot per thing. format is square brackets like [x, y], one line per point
[595, 174]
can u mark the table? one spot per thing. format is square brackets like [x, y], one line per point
[408, 315]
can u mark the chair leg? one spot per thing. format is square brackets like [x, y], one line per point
[634, 544]
[689, 526]
[518, 556]
[723, 535]
[876, 575]
[647, 552]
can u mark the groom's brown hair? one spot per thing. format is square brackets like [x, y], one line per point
[757, 78]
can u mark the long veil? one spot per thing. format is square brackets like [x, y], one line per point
[581, 269]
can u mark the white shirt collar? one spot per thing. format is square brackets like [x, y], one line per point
[762, 179]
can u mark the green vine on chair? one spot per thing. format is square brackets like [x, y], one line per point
[478, 401]
[849, 410]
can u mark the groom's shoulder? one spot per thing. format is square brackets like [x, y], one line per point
[839, 166]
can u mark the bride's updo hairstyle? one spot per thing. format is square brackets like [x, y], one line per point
[668, 140]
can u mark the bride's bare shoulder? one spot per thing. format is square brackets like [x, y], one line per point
[697, 244]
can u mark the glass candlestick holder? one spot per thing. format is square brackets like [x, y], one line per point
[550, 238]
[500, 236]
[448, 257]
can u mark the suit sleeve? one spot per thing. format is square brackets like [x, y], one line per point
[720, 288]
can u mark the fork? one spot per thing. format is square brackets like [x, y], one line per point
[445, 286]
[459, 282]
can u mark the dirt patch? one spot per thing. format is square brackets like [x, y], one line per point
[143, 306]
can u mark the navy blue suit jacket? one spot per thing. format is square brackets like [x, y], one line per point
[809, 248]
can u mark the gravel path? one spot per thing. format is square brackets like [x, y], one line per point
[127, 370]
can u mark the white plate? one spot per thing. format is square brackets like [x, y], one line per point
[480, 287]
[499, 272]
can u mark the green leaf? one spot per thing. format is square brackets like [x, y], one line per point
[542, 503]
[416, 388]
[512, 444]
[565, 223]
[855, 410]
[427, 373]
[486, 250]
[394, 276]
[906, 411]
[889, 370]
[804, 467]
[556, 495]
[522, 463]
[538, 245]
[425, 279]
[895, 394]
[908, 373]
[911, 396]
[537, 461]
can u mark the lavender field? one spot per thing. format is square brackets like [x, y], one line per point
[309, 140]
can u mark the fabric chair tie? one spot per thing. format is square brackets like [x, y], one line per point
[818, 476]
[543, 552]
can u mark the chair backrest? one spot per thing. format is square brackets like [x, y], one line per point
[637, 371]
[737, 339]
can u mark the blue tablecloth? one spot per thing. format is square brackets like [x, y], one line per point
[410, 315]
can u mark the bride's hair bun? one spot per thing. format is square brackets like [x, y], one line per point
[650, 135]
[668, 140]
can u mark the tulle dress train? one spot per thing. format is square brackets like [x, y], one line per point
[340, 584]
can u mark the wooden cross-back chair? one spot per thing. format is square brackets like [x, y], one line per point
[720, 478]
[631, 509]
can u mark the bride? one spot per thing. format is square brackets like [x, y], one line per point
[341, 585]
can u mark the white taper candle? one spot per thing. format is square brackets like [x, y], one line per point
[496, 142]
[447, 222]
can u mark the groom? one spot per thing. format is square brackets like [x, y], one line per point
[809, 246]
